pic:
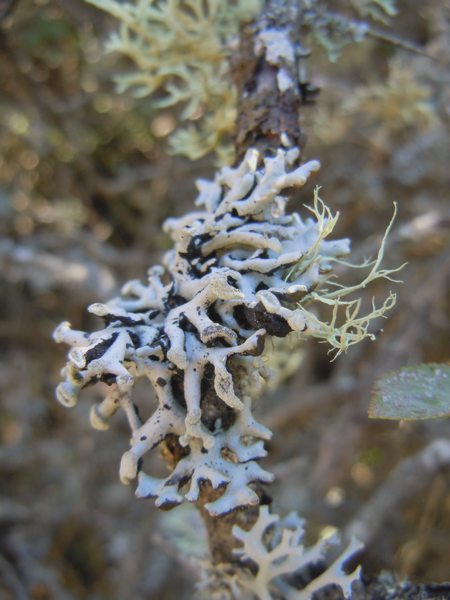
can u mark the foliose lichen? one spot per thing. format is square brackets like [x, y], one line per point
[242, 270]
[275, 547]
[274, 564]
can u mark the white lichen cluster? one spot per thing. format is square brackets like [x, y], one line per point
[241, 270]
[274, 547]
[275, 564]
[179, 49]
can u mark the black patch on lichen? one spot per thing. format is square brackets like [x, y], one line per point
[99, 349]
[194, 248]
[240, 316]
[134, 338]
[107, 378]
[123, 320]
[173, 300]
[274, 324]
[164, 343]
[177, 385]
[232, 281]
[212, 407]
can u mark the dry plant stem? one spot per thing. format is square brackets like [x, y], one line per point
[266, 115]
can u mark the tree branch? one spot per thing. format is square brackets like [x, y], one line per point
[266, 71]
[270, 97]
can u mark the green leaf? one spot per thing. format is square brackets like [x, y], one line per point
[421, 392]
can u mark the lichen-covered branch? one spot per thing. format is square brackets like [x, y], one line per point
[224, 289]
[267, 74]
[241, 270]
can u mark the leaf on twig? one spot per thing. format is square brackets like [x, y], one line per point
[420, 392]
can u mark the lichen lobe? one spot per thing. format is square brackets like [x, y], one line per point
[196, 330]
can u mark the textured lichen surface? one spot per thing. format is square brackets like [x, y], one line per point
[241, 270]
[274, 545]
[274, 563]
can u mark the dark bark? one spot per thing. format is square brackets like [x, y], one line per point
[387, 587]
[266, 112]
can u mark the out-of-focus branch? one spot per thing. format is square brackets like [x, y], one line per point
[410, 477]
[45, 271]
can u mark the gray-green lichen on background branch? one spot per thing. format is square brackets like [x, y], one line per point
[179, 51]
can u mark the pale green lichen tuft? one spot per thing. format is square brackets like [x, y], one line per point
[354, 327]
[179, 50]
[346, 325]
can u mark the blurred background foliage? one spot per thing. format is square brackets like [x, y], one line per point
[85, 183]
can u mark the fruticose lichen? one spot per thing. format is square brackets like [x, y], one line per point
[179, 49]
[241, 271]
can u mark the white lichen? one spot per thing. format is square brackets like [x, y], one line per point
[275, 564]
[278, 49]
[274, 549]
[277, 46]
[241, 270]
